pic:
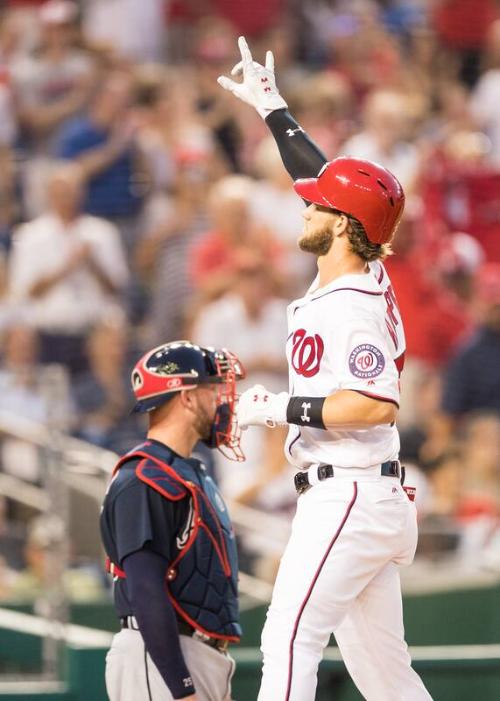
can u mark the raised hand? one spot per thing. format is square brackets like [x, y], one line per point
[258, 88]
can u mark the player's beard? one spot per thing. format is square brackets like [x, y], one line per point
[203, 424]
[318, 242]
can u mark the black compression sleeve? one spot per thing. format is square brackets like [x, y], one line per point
[155, 615]
[301, 157]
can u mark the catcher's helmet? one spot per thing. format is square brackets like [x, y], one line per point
[182, 365]
[363, 190]
[178, 365]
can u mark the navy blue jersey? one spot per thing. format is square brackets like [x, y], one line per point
[134, 516]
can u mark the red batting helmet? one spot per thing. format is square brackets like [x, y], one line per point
[363, 190]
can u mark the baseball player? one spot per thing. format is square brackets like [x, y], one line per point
[168, 537]
[354, 524]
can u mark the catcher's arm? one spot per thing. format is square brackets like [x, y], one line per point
[301, 157]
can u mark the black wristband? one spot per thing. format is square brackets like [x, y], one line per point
[306, 411]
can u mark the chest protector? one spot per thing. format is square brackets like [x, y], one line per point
[201, 581]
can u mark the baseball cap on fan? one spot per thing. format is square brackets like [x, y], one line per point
[460, 253]
[56, 12]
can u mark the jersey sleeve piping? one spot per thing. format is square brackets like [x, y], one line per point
[379, 397]
[348, 289]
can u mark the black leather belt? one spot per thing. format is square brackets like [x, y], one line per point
[130, 622]
[391, 468]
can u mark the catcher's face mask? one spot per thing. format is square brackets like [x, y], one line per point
[226, 434]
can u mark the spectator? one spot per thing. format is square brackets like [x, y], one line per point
[462, 512]
[253, 319]
[247, 19]
[19, 380]
[66, 271]
[8, 116]
[385, 137]
[462, 26]
[9, 209]
[273, 194]
[472, 381]
[356, 43]
[324, 104]
[29, 585]
[102, 396]
[12, 539]
[452, 114]
[103, 142]
[215, 257]
[457, 263]
[164, 253]
[54, 82]
[284, 38]
[22, 395]
[481, 453]
[50, 84]
[479, 510]
[486, 95]
[214, 54]
[439, 530]
[431, 336]
[173, 129]
[133, 29]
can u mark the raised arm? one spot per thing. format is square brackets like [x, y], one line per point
[301, 157]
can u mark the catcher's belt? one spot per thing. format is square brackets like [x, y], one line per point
[130, 622]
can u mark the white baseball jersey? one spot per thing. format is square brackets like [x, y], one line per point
[345, 335]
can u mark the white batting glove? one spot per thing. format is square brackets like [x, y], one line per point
[258, 88]
[259, 407]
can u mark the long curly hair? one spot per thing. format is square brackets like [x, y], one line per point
[362, 246]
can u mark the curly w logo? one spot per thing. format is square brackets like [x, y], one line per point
[307, 352]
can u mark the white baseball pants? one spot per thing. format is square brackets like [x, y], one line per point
[339, 573]
[131, 674]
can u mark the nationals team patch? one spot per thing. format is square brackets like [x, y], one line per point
[366, 361]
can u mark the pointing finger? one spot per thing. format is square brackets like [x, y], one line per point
[246, 56]
[270, 61]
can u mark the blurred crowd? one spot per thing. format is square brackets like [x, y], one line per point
[140, 203]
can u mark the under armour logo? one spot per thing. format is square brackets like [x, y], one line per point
[305, 418]
[264, 80]
[267, 89]
[187, 681]
[291, 132]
